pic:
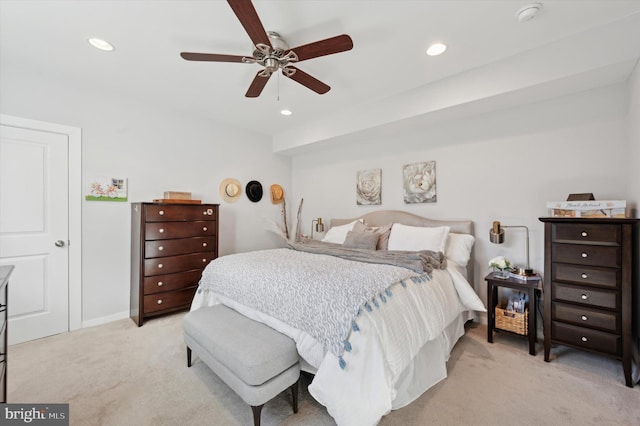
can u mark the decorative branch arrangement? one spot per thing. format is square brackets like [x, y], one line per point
[283, 230]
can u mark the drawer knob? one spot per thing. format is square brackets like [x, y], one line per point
[584, 234]
[160, 265]
[161, 212]
[161, 230]
[210, 212]
[584, 339]
[584, 318]
[584, 254]
[160, 303]
[584, 297]
[162, 248]
[585, 276]
[204, 244]
[204, 260]
[160, 283]
[204, 228]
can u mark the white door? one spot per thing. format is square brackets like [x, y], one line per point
[34, 230]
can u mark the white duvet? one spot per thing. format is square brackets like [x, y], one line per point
[389, 339]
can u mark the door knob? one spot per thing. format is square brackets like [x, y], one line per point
[59, 243]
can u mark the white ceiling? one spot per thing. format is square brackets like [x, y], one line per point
[386, 78]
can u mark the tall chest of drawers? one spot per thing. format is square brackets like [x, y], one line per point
[170, 246]
[591, 290]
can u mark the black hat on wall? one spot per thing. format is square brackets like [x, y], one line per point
[254, 191]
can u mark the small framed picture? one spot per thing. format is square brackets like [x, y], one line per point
[419, 182]
[368, 187]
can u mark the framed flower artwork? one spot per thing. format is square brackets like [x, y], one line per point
[368, 187]
[419, 182]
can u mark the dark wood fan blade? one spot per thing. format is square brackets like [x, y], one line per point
[250, 20]
[324, 47]
[213, 57]
[257, 85]
[308, 81]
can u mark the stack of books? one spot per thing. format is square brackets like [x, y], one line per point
[533, 277]
[177, 197]
[588, 208]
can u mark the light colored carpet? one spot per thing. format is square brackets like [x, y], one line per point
[120, 374]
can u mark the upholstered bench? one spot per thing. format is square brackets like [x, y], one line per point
[254, 360]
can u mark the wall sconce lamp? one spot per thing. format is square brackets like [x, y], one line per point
[319, 226]
[496, 236]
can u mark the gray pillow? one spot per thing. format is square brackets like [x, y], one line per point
[361, 240]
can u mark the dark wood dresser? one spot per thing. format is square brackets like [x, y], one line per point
[5, 273]
[170, 246]
[591, 286]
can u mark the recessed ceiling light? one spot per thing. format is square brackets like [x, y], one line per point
[100, 44]
[285, 112]
[528, 12]
[436, 49]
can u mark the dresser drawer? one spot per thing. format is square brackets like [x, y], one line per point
[586, 317]
[168, 300]
[171, 230]
[168, 282]
[169, 265]
[591, 255]
[586, 296]
[163, 248]
[166, 213]
[586, 233]
[587, 339]
[605, 277]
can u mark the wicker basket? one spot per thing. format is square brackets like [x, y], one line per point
[512, 321]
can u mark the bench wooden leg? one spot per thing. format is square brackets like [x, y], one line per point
[256, 414]
[188, 356]
[294, 394]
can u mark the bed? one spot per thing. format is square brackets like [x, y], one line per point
[375, 308]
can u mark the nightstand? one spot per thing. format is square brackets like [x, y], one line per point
[531, 287]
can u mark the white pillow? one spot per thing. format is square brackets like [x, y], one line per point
[459, 248]
[337, 234]
[416, 238]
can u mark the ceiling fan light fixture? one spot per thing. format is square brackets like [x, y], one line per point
[271, 65]
[436, 49]
[101, 44]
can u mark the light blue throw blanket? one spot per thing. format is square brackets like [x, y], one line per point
[315, 293]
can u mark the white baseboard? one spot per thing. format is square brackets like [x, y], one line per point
[105, 320]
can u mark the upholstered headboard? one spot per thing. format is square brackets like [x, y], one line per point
[386, 217]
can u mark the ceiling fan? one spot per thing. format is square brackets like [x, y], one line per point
[273, 53]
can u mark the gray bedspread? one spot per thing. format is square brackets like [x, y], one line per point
[317, 293]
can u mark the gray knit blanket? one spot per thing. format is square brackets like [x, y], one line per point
[317, 293]
[417, 261]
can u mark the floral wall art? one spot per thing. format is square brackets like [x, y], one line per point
[419, 181]
[368, 183]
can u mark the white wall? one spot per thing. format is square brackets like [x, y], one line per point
[498, 166]
[156, 150]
